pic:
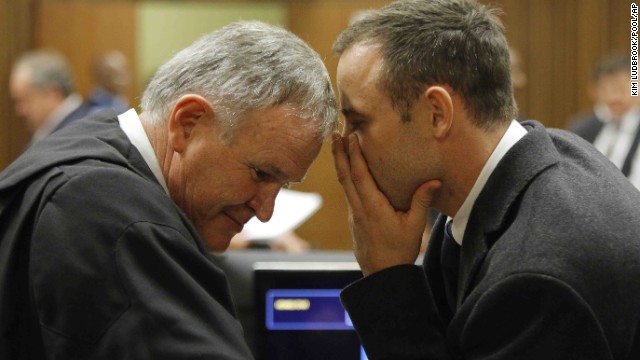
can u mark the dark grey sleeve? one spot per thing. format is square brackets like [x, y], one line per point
[524, 316]
[115, 276]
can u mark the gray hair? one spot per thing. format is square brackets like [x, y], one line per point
[48, 69]
[459, 43]
[243, 67]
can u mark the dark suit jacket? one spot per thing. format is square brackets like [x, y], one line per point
[549, 268]
[84, 110]
[587, 126]
[97, 262]
[103, 99]
[81, 111]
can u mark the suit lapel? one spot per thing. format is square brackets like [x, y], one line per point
[489, 217]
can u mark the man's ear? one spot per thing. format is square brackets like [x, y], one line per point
[189, 111]
[441, 105]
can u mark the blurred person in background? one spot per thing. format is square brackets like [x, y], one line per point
[613, 126]
[42, 88]
[112, 78]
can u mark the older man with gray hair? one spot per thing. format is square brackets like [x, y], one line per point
[107, 225]
[42, 88]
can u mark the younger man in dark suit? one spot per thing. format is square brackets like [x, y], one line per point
[539, 259]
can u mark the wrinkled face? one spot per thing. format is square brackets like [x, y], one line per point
[220, 186]
[33, 104]
[395, 150]
[614, 91]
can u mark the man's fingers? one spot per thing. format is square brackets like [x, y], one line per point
[340, 159]
[422, 199]
[343, 170]
[361, 177]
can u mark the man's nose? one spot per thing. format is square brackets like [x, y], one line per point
[264, 201]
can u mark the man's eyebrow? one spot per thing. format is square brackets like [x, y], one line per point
[280, 175]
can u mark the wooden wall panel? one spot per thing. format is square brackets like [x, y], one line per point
[83, 30]
[518, 34]
[16, 36]
[591, 43]
[560, 42]
[540, 42]
[618, 20]
[569, 89]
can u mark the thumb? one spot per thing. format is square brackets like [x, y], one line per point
[422, 198]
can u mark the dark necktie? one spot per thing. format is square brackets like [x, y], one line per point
[450, 261]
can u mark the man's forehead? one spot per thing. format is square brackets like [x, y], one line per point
[282, 143]
[22, 72]
[361, 59]
[358, 79]
[20, 77]
[358, 72]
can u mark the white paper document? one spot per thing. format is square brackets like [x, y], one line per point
[292, 208]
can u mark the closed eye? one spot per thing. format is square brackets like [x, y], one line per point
[272, 174]
[260, 175]
[354, 120]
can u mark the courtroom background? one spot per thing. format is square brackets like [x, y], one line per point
[559, 41]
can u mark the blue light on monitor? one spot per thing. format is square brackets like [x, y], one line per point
[306, 309]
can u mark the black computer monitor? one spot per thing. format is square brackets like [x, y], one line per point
[299, 314]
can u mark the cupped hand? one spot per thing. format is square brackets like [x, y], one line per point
[382, 236]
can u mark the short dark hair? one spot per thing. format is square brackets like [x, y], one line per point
[611, 64]
[459, 43]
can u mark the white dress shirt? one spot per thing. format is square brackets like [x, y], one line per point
[514, 133]
[132, 127]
